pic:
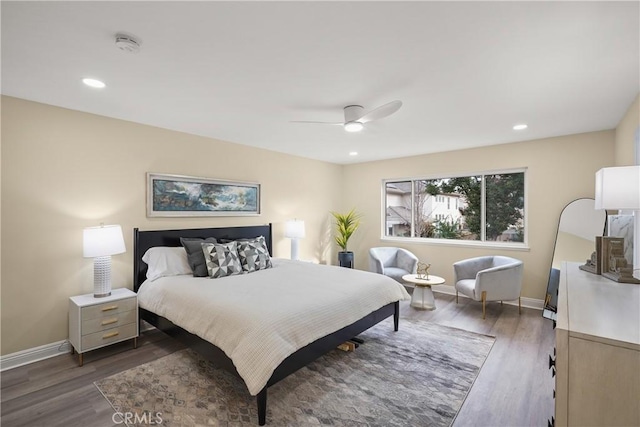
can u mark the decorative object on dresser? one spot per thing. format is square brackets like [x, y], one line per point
[294, 230]
[580, 225]
[489, 278]
[178, 195]
[597, 360]
[619, 188]
[98, 322]
[594, 264]
[614, 264]
[100, 243]
[346, 225]
[622, 226]
[392, 262]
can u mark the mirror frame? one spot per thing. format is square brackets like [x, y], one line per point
[548, 310]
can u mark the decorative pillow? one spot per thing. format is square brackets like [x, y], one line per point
[254, 254]
[165, 261]
[196, 258]
[222, 259]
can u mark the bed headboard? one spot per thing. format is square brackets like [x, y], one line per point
[143, 240]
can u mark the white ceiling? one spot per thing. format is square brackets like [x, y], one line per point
[242, 71]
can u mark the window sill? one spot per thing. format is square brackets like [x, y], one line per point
[522, 247]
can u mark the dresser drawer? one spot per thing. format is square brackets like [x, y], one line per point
[108, 336]
[108, 308]
[107, 322]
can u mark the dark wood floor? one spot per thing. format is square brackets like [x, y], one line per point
[514, 387]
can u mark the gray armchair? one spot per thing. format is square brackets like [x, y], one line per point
[489, 278]
[392, 262]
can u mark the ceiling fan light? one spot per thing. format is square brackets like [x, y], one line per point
[353, 126]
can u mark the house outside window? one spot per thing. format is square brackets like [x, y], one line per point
[480, 208]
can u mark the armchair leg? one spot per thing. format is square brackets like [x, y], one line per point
[484, 301]
[519, 306]
[456, 296]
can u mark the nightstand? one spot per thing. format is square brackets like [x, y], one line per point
[98, 322]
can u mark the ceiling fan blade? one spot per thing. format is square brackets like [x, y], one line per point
[316, 123]
[381, 112]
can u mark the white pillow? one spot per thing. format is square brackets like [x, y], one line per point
[166, 261]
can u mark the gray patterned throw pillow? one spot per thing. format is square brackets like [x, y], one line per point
[222, 259]
[254, 255]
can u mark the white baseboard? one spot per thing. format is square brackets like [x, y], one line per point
[536, 304]
[31, 355]
[35, 354]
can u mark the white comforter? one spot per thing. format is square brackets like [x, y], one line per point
[260, 318]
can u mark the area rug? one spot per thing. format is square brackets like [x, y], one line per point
[418, 376]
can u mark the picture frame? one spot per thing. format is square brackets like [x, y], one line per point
[188, 196]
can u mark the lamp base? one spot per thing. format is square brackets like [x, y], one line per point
[101, 295]
[295, 249]
[102, 276]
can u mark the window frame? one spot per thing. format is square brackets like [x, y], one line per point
[518, 246]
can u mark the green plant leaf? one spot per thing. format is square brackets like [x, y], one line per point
[346, 225]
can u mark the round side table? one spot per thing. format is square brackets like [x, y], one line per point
[422, 297]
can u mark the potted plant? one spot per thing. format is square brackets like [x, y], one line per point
[346, 225]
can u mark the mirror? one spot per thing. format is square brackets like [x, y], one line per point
[578, 227]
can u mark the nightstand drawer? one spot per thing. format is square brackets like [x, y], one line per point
[108, 308]
[107, 322]
[102, 338]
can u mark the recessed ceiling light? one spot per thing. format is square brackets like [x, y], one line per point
[521, 126]
[353, 126]
[94, 83]
[353, 153]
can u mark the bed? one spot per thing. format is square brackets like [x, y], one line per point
[160, 305]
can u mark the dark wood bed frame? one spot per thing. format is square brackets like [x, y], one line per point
[144, 240]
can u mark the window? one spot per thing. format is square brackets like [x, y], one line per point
[485, 207]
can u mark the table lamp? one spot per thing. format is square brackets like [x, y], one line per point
[100, 243]
[619, 188]
[294, 230]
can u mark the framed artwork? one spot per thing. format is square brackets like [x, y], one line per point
[179, 196]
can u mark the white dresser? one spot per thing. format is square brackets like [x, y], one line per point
[98, 322]
[598, 351]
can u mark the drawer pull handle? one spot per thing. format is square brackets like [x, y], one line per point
[111, 307]
[109, 321]
[110, 335]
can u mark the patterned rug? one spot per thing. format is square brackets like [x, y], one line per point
[418, 376]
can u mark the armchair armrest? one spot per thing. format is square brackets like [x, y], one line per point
[501, 282]
[469, 268]
[375, 264]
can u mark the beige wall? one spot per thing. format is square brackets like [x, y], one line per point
[559, 170]
[63, 170]
[626, 135]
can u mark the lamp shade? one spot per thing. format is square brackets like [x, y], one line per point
[104, 240]
[618, 188]
[294, 229]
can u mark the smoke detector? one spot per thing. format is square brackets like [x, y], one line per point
[127, 43]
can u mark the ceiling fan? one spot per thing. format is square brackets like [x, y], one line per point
[355, 117]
